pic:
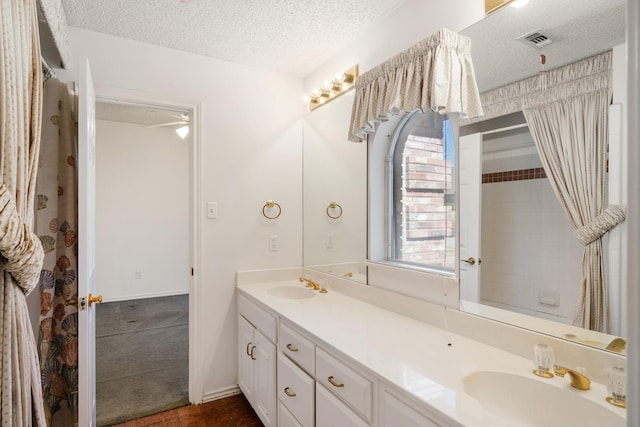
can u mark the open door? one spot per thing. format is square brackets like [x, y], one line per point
[86, 164]
[470, 211]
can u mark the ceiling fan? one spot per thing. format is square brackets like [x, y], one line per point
[182, 124]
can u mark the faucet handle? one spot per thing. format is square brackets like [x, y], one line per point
[617, 386]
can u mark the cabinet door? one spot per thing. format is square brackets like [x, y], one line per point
[394, 413]
[331, 412]
[245, 363]
[264, 391]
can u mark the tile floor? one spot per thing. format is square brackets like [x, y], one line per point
[232, 411]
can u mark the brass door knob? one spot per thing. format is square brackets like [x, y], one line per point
[91, 299]
[471, 260]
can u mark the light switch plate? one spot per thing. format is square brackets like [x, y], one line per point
[212, 210]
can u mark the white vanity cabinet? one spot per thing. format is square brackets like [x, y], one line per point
[257, 359]
[301, 382]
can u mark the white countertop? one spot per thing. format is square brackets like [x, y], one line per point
[427, 362]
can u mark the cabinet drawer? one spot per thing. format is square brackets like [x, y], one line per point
[285, 418]
[331, 412]
[353, 388]
[296, 390]
[263, 321]
[297, 348]
[394, 412]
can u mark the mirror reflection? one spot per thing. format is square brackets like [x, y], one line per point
[522, 232]
[531, 259]
[335, 193]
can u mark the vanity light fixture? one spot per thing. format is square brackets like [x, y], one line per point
[331, 89]
[183, 131]
[518, 3]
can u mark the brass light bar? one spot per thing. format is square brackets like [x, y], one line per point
[332, 89]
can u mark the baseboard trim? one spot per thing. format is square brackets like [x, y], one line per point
[221, 393]
[144, 296]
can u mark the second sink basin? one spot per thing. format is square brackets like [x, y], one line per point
[291, 292]
[532, 402]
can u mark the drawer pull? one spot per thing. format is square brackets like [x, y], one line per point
[248, 353]
[251, 354]
[290, 347]
[334, 383]
[289, 393]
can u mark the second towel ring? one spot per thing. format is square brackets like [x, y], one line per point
[332, 206]
[269, 205]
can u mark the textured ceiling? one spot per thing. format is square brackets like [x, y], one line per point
[577, 28]
[292, 36]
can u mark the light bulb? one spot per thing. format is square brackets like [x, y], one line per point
[183, 131]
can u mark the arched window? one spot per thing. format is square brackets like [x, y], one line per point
[421, 192]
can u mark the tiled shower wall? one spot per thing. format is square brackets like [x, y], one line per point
[530, 257]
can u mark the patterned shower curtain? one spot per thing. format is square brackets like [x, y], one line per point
[56, 220]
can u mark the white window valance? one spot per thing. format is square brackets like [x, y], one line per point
[571, 80]
[436, 74]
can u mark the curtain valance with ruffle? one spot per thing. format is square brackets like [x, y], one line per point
[435, 74]
[584, 76]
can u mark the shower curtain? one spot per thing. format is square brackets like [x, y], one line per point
[20, 250]
[56, 219]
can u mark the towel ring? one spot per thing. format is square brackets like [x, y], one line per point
[269, 205]
[334, 205]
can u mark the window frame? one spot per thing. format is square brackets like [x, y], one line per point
[391, 230]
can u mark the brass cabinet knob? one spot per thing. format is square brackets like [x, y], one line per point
[288, 392]
[291, 347]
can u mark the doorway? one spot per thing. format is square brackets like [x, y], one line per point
[143, 258]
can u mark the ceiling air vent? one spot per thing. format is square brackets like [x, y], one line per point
[535, 39]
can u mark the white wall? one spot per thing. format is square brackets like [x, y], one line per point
[251, 152]
[142, 211]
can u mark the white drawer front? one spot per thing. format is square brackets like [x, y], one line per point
[285, 418]
[297, 348]
[263, 321]
[296, 390]
[355, 389]
[331, 412]
[395, 413]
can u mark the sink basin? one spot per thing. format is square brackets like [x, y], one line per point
[532, 402]
[291, 292]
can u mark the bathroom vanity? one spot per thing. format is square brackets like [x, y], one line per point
[328, 359]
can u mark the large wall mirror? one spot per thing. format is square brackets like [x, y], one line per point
[531, 259]
[515, 291]
[335, 193]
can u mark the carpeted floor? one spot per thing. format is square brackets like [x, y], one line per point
[142, 360]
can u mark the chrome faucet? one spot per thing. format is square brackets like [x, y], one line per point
[310, 283]
[578, 380]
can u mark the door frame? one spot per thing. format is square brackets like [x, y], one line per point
[125, 96]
